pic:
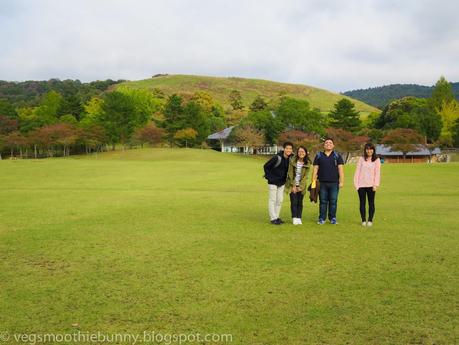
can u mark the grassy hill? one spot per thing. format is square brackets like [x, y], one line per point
[220, 88]
[178, 241]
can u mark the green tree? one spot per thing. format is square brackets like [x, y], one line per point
[69, 119]
[429, 123]
[195, 117]
[235, 99]
[217, 118]
[414, 113]
[345, 116]
[267, 122]
[92, 112]
[174, 119]
[145, 104]
[455, 133]
[441, 94]
[7, 109]
[118, 117]
[449, 114]
[297, 114]
[48, 109]
[258, 104]
[29, 120]
[71, 104]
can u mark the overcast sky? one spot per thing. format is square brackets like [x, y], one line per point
[336, 45]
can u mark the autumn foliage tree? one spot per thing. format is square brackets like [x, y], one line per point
[248, 136]
[183, 136]
[66, 136]
[93, 137]
[345, 141]
[310, 140]
[404, 140]
[15, 141]
[7, 124]
[50, 138]
[149, 134]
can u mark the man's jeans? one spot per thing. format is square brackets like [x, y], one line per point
[328, 196]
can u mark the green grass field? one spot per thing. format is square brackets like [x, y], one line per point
[219, 89]
[178, 241]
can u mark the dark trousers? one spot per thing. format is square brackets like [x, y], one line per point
[296, 204]
[328, 195]
[364, 193]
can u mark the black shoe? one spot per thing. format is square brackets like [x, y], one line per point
[280, 221]
[276, 222]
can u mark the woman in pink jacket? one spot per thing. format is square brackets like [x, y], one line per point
[366, 181]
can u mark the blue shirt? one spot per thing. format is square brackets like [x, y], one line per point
[328, 166]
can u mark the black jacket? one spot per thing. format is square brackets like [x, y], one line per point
[314, 192]
[276, 175]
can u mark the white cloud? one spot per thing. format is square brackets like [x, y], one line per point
[330, 44]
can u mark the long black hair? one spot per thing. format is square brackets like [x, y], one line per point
[369, 146]
[306, 158]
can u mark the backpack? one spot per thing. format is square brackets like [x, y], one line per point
[278, 162]
[335, 156]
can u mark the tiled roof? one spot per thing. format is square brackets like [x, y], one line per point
[222, 134]
[384, 150]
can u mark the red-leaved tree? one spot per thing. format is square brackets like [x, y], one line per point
[346, 142]
[149, 134]
[93, 137]
[403, 139]
[310, 140]
[15, 140]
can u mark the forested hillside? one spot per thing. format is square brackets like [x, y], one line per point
[383, 95]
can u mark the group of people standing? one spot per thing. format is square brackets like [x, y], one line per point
[287, 172]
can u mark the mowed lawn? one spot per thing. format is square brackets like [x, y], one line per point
[178, 241]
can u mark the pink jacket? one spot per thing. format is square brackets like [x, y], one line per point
[367, 174]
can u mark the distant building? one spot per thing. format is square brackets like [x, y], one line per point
[221, 141]
[423, 155]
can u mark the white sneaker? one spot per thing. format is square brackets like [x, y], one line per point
[295, 222]
[369, 223]
[299, 222]
[364, 223]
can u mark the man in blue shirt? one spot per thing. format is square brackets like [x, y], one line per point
[328, 169]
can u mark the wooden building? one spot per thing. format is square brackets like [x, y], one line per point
[221, 141]
[422, 155]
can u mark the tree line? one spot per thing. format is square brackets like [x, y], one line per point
[382, 95]
[403, 124]
[131, 117]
